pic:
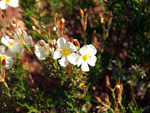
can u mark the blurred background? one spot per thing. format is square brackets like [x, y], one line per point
[126, 53]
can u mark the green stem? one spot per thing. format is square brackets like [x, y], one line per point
[5, 84]
[108, 107]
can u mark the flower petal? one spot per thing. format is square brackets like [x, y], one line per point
[61, 42]
[9, 63]
[5, 41]
[13, 3]
[85, 66]
[3, 5]
[2, 49]
[71, 46]
[79, 61]
[72, 58]
[39, 55]
[84, 50]
[20, 49]
[92, 50]
[28, 40]
[24, 33]
[57, 54]
[63, 61]
[88, 49]
[92, 60]
[9, 53]
[46, 53]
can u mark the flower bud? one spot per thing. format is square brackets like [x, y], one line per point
[118, 82]
[34, 20]
[81, 13]
[71, 39]
[77, 43]
[13, 27]
[8, 33]
[109, 103]
[61, 24]
[57, 20]
[94, 38]
[61, 29]
[19, 61]
[107, 81]
[110, 15]
[38, 31]
[102, 21]
[3, 17]
[62, 21]
[68, 67]
[107, 97]
[50, 45]
[116, 105]
[94, 33]
[55, 29]
[25, 60]
[56, 46]
[33, 27]
[107, 78]
[100, 15]
[3, 62]
[14, 23]
[121, 87]
[41, 44]
[98, 99]
[85, 13]
[119, 91]
[48, 30]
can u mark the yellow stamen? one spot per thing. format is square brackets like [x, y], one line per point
[86, 57]
[11, 44]
[66, 52]
[22, 41]
[3, 57]
[7, 1]
[46, 49]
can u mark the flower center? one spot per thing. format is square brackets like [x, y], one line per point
[46, 49]
[7, 1]
[11, 44]
[22, 41]
[86, 57]
[3, 57]
[66, 52]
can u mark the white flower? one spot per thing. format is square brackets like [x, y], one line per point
[7, 55]
[22, 39]
[88, 53]
[65, 52]
[5, 3]
[42, 50]
[10, 43]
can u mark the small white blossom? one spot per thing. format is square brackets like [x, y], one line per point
[88, 53]
[7, 55]
[65, 52]
[22, 39]
[10, 43]
[5, 3]
[42, 50]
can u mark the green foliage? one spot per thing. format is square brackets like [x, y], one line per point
[135, 109]
[58, 90]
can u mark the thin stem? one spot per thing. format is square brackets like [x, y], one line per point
[122, 108]
[108, 107]
[31, 78]
[5, 84]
